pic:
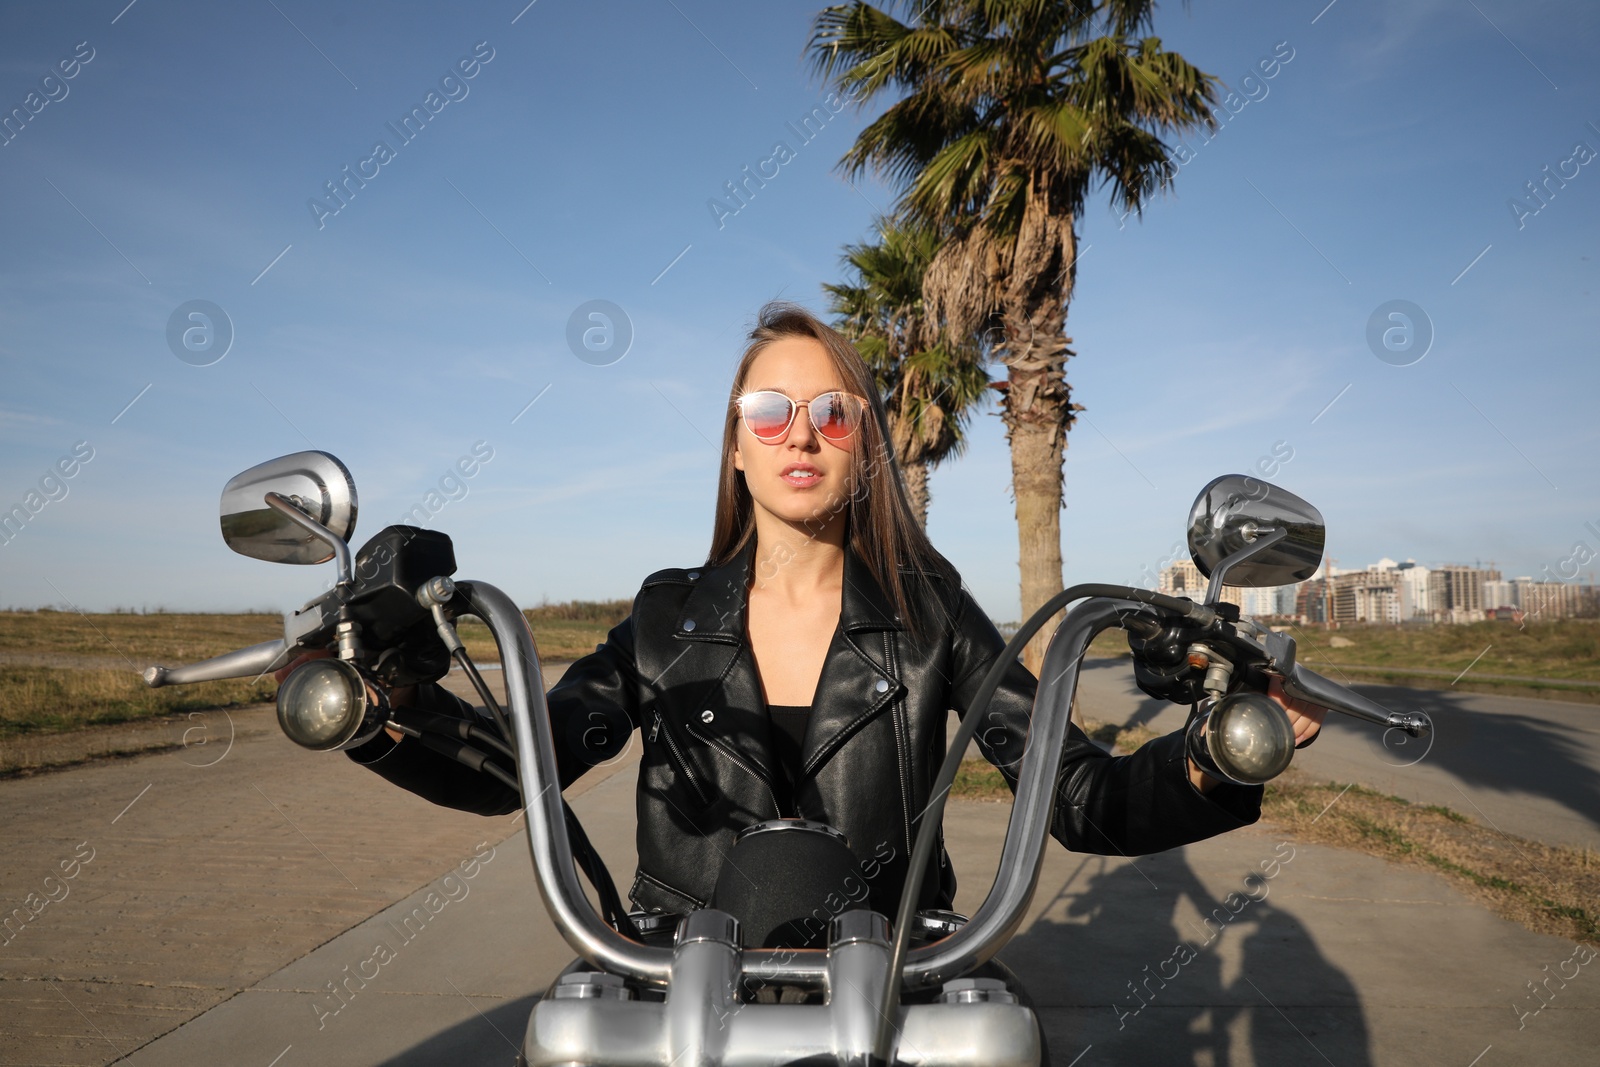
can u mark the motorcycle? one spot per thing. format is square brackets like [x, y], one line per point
[742, 982]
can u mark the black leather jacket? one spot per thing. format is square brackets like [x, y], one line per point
[680, 671]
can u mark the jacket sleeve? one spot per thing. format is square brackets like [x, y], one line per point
[1110, 805]
[593, 712]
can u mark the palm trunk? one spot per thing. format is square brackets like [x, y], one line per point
[1037, 411]
[915, 475]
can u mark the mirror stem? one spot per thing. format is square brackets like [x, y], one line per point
[341, 551]
[1265, 538]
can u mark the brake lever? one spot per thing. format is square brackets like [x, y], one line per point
[1303, 683]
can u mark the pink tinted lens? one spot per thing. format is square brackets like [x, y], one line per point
[835, 415]
[767, 414]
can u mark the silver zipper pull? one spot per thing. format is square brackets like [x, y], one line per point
[655, 727]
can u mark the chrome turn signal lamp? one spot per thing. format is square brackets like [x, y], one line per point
[324, 706]
[1248, 739]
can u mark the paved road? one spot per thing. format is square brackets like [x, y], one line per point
[247, 885]
[1529, 767]
[169, 853]
[1344, 959]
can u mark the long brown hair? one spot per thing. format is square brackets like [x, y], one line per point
[879, 525]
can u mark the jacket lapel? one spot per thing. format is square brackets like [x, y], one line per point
[856, 682]
[709, 637]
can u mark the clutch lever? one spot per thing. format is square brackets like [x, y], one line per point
[1303, 683]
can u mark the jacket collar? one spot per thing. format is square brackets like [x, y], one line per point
[715, 608]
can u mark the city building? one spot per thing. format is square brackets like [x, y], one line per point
[1183, 578]
[1412, 579]
[1455, 592]
[1389, 593]
[1499, 594]
[1552, 600]
[1366, 596]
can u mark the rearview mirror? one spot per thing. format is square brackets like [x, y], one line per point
[1235, 511]
[316, 483]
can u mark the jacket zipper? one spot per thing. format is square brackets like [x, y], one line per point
[742, 765]
[900, 741]
[678, 758]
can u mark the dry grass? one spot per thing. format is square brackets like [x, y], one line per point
[63, 671]
[563, 632]
[140, 639]
[558, 640]
[1563, 648]
[1120, 738]
[37, 700]
[1547, 888]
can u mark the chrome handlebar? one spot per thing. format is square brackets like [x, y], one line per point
[1001, 913]
[1022, 853]
[254, 661]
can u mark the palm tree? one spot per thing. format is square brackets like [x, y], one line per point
[929, 381]
[1009, 113]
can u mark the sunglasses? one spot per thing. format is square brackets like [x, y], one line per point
[769, 414]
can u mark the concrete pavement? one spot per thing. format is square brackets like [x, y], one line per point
[1335, 957]
[254, 881]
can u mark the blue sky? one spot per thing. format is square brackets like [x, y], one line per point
[577, 164]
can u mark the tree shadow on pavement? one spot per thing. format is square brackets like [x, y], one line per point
[1505, 751]
[1149, 967]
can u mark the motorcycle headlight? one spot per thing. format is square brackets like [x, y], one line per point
[1250, 738]
[323, 706]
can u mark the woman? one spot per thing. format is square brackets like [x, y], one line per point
[807, 668]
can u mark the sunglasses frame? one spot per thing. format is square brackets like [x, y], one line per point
[794, 413]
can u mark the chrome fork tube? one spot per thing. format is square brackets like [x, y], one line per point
[553, 866]
[1020, 858]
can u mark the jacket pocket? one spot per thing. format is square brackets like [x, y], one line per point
[652, 894]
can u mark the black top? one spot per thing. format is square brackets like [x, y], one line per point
[787, 724]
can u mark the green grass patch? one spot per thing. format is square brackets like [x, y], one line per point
[978, 779]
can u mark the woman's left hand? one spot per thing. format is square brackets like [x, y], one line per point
[1304, 716]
